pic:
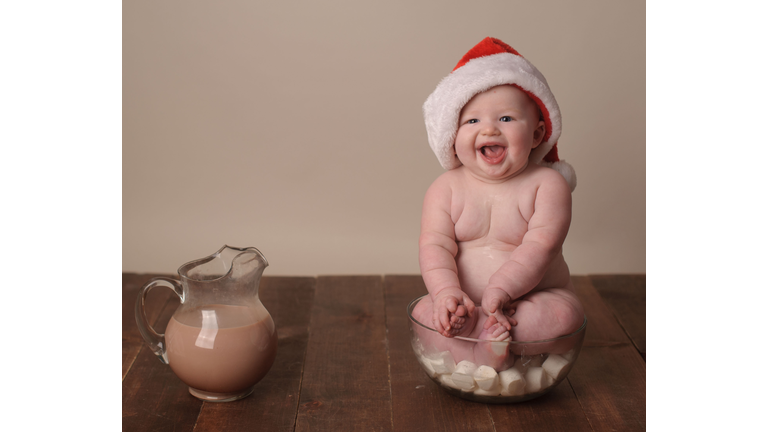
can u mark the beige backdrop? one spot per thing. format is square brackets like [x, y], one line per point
[296, 127]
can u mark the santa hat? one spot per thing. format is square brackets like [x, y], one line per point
[489, 64]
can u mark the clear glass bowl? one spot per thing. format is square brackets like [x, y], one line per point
[528, 370]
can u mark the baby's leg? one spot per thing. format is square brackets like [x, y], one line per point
[494, 353]
[546, 314]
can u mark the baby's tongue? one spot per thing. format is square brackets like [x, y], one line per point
[493, 151]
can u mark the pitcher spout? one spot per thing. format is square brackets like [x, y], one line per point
[227, 263]
[247, 263]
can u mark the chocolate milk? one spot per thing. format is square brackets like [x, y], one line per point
[221, 348]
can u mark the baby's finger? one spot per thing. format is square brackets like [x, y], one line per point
[489, 322]
[440, 320]
[445, 321]
[503, 321]
[451, 304]
[470, 305]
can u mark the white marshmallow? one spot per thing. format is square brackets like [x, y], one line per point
[427, 366]
[465, 367]
[447, 381]
[481, 392]
[555, 366]
[570, 354]
[443, 362]
[463, 375]
[512, 382]
[487, 379]
[536, 379]
[417, 346]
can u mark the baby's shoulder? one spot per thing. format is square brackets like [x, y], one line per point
[451, 180]
[539, 176]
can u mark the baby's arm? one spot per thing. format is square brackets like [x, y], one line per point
[542, 243]
[437, 252]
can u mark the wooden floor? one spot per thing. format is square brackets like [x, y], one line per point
[345, 363]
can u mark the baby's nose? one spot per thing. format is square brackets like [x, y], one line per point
[490, 130]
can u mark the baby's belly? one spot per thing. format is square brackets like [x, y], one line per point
[477, 264]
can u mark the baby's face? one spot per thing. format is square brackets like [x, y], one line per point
[497, 130]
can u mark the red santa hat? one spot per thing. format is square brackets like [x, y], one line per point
[489, 64]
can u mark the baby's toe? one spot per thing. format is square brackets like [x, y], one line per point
[500, 334]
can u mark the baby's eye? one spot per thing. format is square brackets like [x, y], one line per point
[506, 119]
[472, 121]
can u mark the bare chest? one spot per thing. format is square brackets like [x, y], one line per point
[489, 220]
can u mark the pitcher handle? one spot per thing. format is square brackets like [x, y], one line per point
[155, 341]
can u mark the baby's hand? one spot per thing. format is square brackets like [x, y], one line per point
[499, 307]
[451, 308]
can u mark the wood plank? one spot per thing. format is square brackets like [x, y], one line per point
[133, 343]
[609, 375]
[274, 403]
[154, 399]
[558, 410]
[418, 404]
[625, 296]
[346, 380]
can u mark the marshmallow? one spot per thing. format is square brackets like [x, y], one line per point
[487, 379]
[465, 367]
[426, 364]
[570, 354]
[481, 392]
[417, 346]
[447, 381]
[555, 366]
[462, 376]
[443, 362]
[512, 382]
[536, 379]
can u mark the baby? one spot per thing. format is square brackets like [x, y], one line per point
[493, 225]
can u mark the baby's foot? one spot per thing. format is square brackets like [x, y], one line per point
[460, 322]
[495, 332]
[494, 353]
[453, 313]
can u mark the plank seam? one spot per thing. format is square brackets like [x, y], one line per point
[304, 361]
[618, 319]
[580, 404]
[386, 346]
[197, 419]
[490, 416]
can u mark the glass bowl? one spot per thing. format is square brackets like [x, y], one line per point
[521, 371]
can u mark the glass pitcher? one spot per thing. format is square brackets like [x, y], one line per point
[221, 340]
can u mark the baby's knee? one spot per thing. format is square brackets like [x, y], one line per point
[569, 313]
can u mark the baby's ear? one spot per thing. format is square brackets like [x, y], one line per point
[538, 134]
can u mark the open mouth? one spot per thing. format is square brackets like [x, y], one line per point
[492, 153]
